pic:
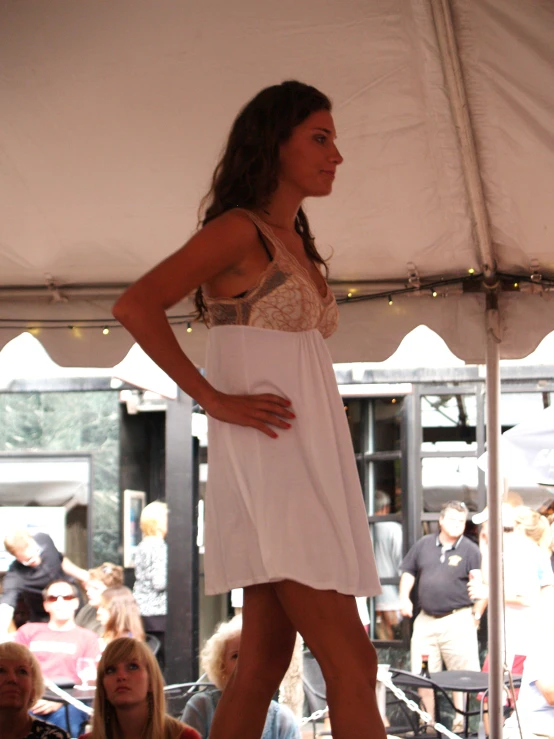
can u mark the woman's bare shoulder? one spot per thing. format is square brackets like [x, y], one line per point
[214, 249]
[234, 222]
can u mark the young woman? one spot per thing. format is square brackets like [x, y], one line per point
[107, 575]
[21, 685]
[119, 615]
[129, 700]
[285, 517]
[218, 660]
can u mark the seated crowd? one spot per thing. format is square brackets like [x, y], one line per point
[219, 657]
[44, 652]
[39, 590]
[129, 699]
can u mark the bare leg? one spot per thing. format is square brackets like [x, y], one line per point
[266, 646]
[331, 627]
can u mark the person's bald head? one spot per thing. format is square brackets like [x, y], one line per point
[23, 547]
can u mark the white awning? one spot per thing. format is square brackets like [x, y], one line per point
[113, 115]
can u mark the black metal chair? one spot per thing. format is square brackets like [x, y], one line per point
[153, 642]
[177, 695]
[403, 721]
[412, 683]
[314, 689]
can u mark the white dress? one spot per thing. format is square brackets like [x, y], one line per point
[292, 507]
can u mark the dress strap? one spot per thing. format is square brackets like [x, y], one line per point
[262, 227]
[264, 243]
[267, 251]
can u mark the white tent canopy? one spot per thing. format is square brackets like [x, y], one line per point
[113, 114]
[527, 451]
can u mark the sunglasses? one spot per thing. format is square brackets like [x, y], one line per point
[55, 598]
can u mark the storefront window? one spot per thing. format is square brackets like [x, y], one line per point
[354, 409]
[387, 419]
[384, 494]
[385, 484]
[449, 423]
[449, 478]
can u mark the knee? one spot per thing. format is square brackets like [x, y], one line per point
[359, 667]
[264, 677]
[361, 679]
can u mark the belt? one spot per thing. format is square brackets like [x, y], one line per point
[443, 615]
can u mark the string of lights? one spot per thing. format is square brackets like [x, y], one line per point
[471, 282]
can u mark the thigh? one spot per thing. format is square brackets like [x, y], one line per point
[458, 641]
[268, 635]
[424, 641]
[330, 624]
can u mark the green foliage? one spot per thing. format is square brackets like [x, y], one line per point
[73, 422]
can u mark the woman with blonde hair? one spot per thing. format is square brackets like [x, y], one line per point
[129, 700]
[21, 685]
[119, 615]
[218, 659]
[150, 588]
[534, 526]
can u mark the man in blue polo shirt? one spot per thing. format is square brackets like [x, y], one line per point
[446, 627]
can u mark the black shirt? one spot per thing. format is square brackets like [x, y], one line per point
[29, 582]
[442, 573]
[88, 619]
[41, 729]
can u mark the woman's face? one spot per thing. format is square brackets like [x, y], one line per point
[230, 656]
[309, 158]
[103, 614]
[16, 685]
[126, 683]
[94, 590]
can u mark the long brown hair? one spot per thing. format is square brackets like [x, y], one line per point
[247, 174]
[104, 722]
[124, 619]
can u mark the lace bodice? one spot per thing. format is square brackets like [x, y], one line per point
[285, 297]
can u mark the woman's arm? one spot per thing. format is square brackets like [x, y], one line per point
[216, 249]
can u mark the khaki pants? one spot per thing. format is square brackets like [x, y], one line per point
[451, 639]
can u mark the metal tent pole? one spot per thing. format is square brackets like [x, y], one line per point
[494, 502]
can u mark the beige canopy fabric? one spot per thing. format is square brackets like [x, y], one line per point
[113, 114]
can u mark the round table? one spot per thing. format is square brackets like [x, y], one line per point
[464, 681]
